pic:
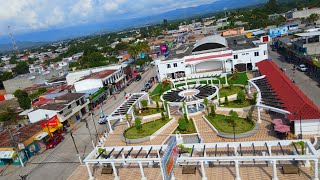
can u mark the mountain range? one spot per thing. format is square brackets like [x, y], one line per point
[114, 25]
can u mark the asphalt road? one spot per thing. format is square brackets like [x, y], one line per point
[60, 162]
[306, 84]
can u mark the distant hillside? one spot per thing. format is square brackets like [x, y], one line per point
[21, 45]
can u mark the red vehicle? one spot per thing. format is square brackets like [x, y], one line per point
[54, 141]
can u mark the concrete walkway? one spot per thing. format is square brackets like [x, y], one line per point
[205, 132]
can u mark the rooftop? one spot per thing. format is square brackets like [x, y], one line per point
[69, 97]
[293, 99]
[20, 135]
[100, 75]
[241, 42]
[180, 51]
[53, 106]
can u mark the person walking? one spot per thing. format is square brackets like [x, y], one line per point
[125, 94]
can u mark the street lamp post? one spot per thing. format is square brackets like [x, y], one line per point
[234, 131]
[94, 123]
[125, 138]
[87, 125]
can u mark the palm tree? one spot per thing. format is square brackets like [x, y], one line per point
[313, 18]
[143, 47]
[133, 51]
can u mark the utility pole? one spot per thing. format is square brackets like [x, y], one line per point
[75, 146]
[14, 146]
[87, 125]
[94, 123]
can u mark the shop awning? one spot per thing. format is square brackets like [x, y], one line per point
[40, 136]
[7, 154]
[52, 128]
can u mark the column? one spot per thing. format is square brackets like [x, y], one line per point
[143, 177]
[187, 111]
[203, 172]
[197, 106]
[307, 162]
[139, 105]
[168, 108]
[89, 172]
[149, 101]
[236, 164]
[226, 78]
[109, 124]
[274, 169]
[116, 177]
[259, 115]
[132, 115]
[249, 88]
[316, 170]
[218, 97]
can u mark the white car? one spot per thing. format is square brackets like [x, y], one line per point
[102, 120]
[302, 68]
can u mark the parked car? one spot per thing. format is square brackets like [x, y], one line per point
[145, 89]
[54, 141]
[103, 120]
[302, 68]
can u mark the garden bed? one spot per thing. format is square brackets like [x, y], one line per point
[147, 129]
[148, 112]
[230, 90]
[236, 104]
[224, 124]
[191, 128]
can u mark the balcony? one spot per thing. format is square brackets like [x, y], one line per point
[73, 111]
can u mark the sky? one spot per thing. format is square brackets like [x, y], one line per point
[25, 16]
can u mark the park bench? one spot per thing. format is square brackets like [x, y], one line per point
[107, 170]
[290, 169]
[188, 170]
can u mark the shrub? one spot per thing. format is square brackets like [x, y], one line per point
[219, 101]
[137, 123]
[182, 124]
[213, 111]
[241, 97]
[144, 103]
[226, 101]
[205, 102]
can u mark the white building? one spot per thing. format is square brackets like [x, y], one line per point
[68, 107]
[212, 55]
[36, 69]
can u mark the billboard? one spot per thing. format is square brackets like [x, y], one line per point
[169, 158]
[163, 48]
[53, 122]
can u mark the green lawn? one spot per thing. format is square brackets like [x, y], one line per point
[236, 104]
[190, 129]
[148, 112]
[156, 98]
[158, 88]
[224, 124]
[147, 129]
[227, 91]
[242, 79]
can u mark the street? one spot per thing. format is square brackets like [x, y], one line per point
[307, 85]
[60, 162]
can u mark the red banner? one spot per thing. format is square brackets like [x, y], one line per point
[51, 122]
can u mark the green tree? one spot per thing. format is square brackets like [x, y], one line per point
[23, 99]
[272, 6]
[157, 104]
[254, 99]
[182, 124]
[5, 76]
[313, 18]
[138, 124]
[165, 24]
[241, 97]
[133, 52]
[280, 20]
[94, 59]
[163, 117]
[205, 102]
[121, 46]
[226, 101]
[13, 59]
[8, 114]
[233, 115]
[21, 68]
[127, 118]
[185, 111]
[144, 103]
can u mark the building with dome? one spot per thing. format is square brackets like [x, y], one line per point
[212, 55]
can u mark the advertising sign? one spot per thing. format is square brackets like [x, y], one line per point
[53, 122]
[169, 158]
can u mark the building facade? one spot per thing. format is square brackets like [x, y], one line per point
[212, 55]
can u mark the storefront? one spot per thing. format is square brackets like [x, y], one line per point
[41, 140]
[6, 156]
[52, 126]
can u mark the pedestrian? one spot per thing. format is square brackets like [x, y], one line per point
[125, 93]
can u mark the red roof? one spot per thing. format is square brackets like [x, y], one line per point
[100, 75]
[41, 102]
[293, 98]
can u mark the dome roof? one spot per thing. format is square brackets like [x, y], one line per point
[210, 43]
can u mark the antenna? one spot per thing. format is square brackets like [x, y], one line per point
[14, 45]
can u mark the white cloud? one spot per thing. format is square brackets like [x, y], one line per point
[31, 15]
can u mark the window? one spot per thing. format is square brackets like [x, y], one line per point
[78, 102]
[235, 56]
[168, 66]
[256, 53]
[175, 65]
[264, 52]
[69, 106]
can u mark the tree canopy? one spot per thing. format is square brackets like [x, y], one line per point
[21, 68]
[23, 99]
